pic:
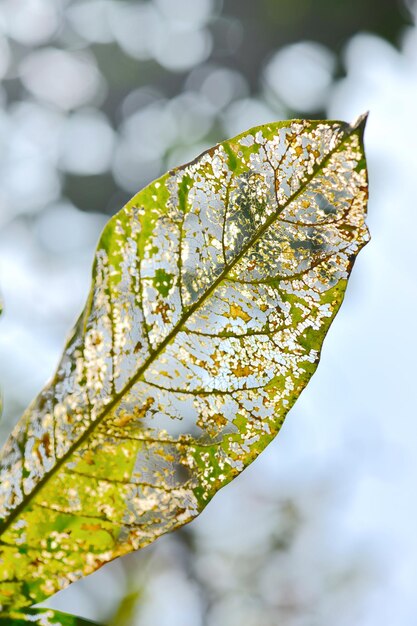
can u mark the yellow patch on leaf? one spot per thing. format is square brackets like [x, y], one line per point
[237, 311]
[241, 370]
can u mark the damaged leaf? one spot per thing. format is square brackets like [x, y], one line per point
[212, 292]
[43, 617]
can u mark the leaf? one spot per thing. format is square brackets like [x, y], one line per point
[213, 289]
[43, 617]
[125, 613]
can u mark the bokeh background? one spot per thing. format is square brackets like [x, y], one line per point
[97, 98]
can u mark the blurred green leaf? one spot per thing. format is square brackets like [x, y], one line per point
[43, 617]
[125, 613]
[212, 292]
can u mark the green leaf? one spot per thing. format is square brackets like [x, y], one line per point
[43, 617]
[213, 289]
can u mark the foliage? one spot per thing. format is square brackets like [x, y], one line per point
[42, 617]
[213, 289]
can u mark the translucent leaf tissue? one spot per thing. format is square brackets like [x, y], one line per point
[212, 292]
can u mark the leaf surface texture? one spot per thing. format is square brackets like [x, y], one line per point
[43, 617]
[212, 291]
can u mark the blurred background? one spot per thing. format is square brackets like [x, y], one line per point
[97, 98]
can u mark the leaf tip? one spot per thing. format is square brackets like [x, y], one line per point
[360, 122]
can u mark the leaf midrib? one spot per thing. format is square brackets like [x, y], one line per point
[119, 396]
